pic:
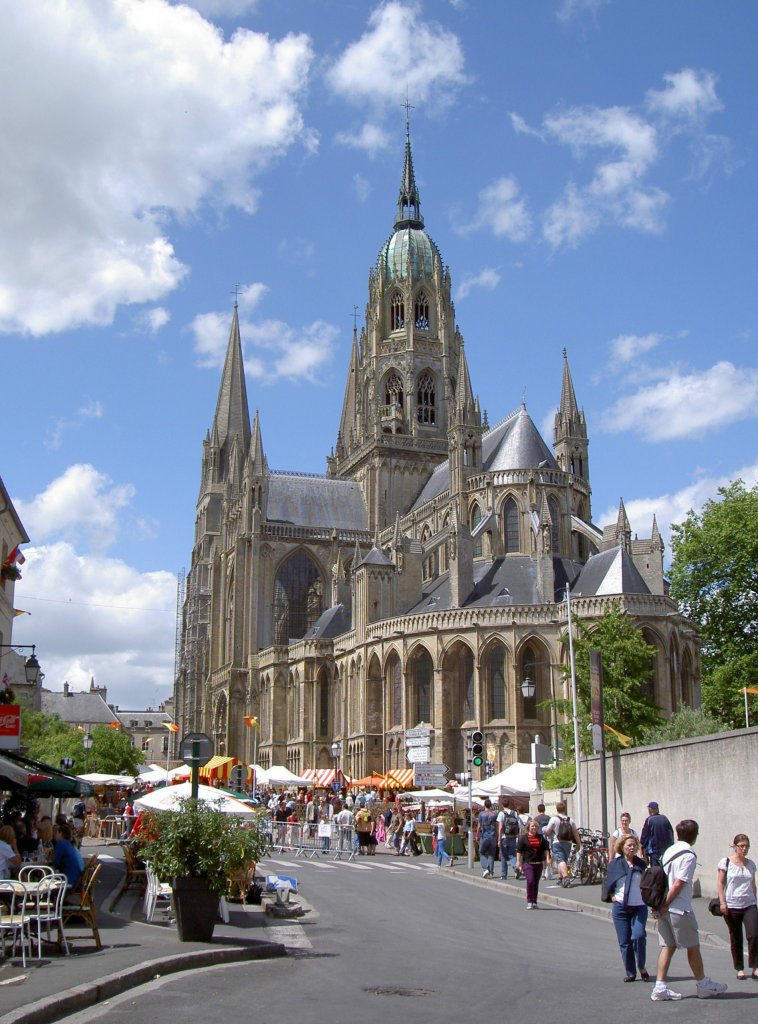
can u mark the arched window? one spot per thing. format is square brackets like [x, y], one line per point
[298, 598]
[422, 674]
[474, 519]
[323, 703]
[395, 690]
[425, 411]
[495, 669]
[510, 524]
[529, 667]
[421, 313]
[555, 534]
[393, 391]
[397, 312]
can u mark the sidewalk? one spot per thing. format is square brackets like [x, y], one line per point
[133, 952]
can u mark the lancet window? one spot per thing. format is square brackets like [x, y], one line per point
[397, 311]
[425, 410]
[421, 312]
[510, 524]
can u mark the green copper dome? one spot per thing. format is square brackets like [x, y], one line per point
[409, 248]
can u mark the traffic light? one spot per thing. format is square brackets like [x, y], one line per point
[477, 749]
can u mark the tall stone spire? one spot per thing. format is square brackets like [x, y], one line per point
[408, 200]
[232, 418]
[570, 439]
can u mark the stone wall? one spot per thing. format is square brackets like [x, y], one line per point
[713, 779]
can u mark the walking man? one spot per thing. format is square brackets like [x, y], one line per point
[677, 924]
[657, 834]
[508, 828]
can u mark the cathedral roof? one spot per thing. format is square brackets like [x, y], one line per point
[609, 572]
[232, 418]
[303, 500]
[333, 622]
[376, 557]
[513, 444]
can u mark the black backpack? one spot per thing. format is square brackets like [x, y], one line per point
[564, 832]
[654, 884]
[511, 825]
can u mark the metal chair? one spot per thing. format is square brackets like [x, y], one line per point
[46, 908]
[134, 875]
[13, 916]
[154, 890]
[34, 872]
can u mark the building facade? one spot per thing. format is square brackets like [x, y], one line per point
[422, 579]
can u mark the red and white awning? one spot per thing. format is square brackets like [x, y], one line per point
[323, 778]
[399, 778]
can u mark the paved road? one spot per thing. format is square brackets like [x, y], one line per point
[385, 939]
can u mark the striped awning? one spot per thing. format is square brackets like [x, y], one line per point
[323, 778]
[400, 778]
[219, 767]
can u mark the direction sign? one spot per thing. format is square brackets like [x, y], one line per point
[417, 741]
[420, 730]
[435, 769]
[196, 748]
[417, 755]
[437, 781]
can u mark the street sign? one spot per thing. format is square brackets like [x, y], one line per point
[420, 730]
[434, 769]
[417, 741]
[237, 776]
[417, 755]
[437, 781]
[196, 749]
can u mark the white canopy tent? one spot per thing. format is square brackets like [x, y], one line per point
[182, 772]
[278, 775]
[104, 779]
[519, 779]
[169, 798]
[153, 773]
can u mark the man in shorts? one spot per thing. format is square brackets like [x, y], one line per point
[677, 924]
[561, 832]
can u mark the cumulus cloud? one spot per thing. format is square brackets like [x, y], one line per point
[673, 507]
[82, 505]
[488, 278]
[501, 210]
[687, 404]
[688, 94]
[96, 617]
[380, 69]
[138, 113]
[371, 138]
[220, 8]
[627, 347]
[272, 349]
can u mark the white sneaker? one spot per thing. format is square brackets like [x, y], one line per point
[485, 874]
[661, 994]
[707, 988]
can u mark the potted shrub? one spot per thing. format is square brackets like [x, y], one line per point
[197, 850]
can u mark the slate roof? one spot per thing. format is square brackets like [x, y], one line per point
[609, 572]
[513, 444]
[303, 500]
[333, 622]
[76, 708]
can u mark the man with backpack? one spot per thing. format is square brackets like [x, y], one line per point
[677, 924]
[657, 834]
[561, 832]
[508, 828]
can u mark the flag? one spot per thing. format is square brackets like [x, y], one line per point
[623, 740]
[15, 556]
[80, 728]
[114, 725]
[750, 689]
[250, 721]
[20, 611]
[171, 726]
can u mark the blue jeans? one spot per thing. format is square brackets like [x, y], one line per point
[440, 852]
[630, 931]
[507, 854]
[487, 849]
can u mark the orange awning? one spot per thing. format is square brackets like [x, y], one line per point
[374, 779]
[399, 778]
[219, 767]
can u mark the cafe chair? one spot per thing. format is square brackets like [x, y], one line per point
[13, 917]
[81, 906]
[45, 908]
[34, 872]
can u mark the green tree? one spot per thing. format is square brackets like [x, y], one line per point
[112, 752]
[714, 579]
[682, 725]
[49, 739]
[626, 661]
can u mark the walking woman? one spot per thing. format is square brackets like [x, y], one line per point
[629, 911]
[531, 855]
[622, 832]
[735, 880]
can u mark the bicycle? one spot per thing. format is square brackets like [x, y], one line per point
[588, 862]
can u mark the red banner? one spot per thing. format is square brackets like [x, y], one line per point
[10, 726]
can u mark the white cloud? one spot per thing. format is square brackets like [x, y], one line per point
[92, 409]
[157, 318]
[272, 349]
[362, 187]
[521, 127]
[502, 211]
[488, 278]
[82, 505]
[673, 507]
[569, 9]
[688, 94]
[220, 8]
[687, 405]
[96, 617]
[371, 138]
[90, 183]
[627, 347]
[400, 54]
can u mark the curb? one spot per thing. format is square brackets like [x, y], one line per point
[81, 997]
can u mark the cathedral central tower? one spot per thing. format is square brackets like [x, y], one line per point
[401, 386]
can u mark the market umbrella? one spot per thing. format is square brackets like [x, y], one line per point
[374, 779]
[169, 799]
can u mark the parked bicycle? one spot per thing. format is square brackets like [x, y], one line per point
[588, 863]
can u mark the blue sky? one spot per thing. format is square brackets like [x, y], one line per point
[587, 170]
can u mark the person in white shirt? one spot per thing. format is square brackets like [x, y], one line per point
[677, 924]
[735, 880]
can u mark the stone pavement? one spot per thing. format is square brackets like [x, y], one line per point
[135, 952]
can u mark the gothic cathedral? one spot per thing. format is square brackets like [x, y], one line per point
[422, 579]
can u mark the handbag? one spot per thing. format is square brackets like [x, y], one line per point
[714, 907]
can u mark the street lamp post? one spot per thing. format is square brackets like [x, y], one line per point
[336, 754]
[252, 723]
[87, 744]
[575, 710]
[31, 665]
